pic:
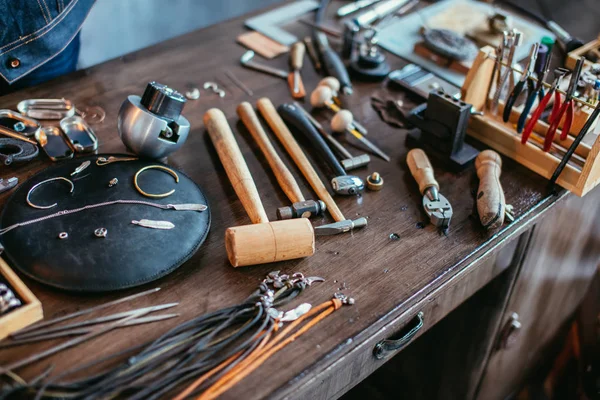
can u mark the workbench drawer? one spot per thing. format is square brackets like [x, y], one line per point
[372, 353]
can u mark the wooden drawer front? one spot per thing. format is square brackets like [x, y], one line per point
[559, 266]
[361, 361]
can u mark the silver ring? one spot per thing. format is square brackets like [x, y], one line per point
[101, 232]
[43, 182]
[63, 235]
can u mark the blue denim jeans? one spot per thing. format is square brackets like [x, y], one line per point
[39, 39]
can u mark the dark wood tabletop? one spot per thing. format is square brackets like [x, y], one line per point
[384, 276]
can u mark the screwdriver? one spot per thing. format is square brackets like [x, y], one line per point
[294, 80]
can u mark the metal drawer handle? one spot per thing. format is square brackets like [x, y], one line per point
[385, 347]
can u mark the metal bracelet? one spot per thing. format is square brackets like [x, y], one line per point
[162, 168]
[43, 182]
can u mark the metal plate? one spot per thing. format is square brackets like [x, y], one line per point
[19, 123]
[54, 143]
[79, 134]
[267, 23]
[47, 108]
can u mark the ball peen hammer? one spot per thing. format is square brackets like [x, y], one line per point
[264, 241]
[300, 207]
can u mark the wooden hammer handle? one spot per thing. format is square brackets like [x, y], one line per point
[491, 204]
[235, 165]
[421, 169]
[297, 56]
[282, 173]
[267, 109]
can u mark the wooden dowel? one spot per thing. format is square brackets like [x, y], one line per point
[546, 85]
[268, 111]
[235, 165]
[282, 173]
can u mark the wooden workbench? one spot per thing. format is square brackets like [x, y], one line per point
[391, 280]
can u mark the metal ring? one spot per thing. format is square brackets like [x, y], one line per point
[63, 235]
[160, 167]
[43, 182]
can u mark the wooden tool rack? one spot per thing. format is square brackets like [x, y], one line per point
[580, 175]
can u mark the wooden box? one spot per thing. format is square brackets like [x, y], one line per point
[25, 315]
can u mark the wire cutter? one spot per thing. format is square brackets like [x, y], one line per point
[436, 206]
[525, 78]
[538, 91]
[566, 107]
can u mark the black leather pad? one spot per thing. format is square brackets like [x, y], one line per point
[130, 255]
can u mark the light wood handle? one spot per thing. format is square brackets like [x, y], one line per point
[297, 55]
[267, 109]
[491, 204]
[235, 165]
[282, 173]
[421, 169]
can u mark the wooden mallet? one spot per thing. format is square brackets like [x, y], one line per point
[265, 241]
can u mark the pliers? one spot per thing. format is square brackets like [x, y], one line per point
[538, 91]
[566, 107]
[525, 78]
[559, 73]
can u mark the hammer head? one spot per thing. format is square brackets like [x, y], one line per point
[347, 185]
[356, 162]
[302, 209]
[270, 242]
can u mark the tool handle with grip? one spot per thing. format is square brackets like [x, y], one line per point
[235, 166]
[282, 173]
[293, 116]
[297, 56]
[526, 109]
[491, 204]
[421, 169]
[267, 109]
[332, 63]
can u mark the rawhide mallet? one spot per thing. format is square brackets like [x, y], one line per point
[264, 241]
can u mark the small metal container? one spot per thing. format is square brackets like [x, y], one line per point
[47, 108]
[79, 134]
[19, 123]
[54, 143]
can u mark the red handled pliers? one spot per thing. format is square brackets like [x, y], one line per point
[559, 73]
[567, 107]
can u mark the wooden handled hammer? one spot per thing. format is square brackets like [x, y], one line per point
[264, 241]
[300, 206]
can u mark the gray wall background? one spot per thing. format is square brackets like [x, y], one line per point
[117, 27]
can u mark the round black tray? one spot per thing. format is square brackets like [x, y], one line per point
[130, 255]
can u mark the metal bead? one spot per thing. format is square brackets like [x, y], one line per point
[101, 232]
[113, 182]
[63, 235]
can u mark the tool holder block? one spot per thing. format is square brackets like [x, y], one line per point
[441, 126]
[26, 314]
[579, 176]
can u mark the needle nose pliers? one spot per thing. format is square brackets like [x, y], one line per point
[525, 78]
[538, 91]
[566, 107]
[559, 73]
